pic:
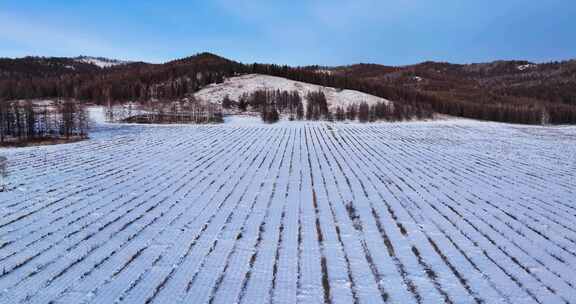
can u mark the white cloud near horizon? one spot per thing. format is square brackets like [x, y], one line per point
[41, 39]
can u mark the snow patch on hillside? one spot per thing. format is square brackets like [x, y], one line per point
[324, 71]
[101, 62]
[525, 67]
[236, 86]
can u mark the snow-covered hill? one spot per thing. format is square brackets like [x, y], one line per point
[100, 61]
[236, 86]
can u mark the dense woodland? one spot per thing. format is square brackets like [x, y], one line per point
[497, 91]
[25, 121]
[494, 109]
[507, 91]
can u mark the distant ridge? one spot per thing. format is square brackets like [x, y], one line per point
[510, 91]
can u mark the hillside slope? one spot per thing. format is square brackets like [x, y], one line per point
[506, 91]
[506, 82]
[234, 87]
[101, 62]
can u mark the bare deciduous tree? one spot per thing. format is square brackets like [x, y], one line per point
[22, 122]
[3, 173]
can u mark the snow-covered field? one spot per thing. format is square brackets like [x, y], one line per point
[236, 86]
[426, 212]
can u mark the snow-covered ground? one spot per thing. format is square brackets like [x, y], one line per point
[101, 62]
[450, 211]
[525, 66]
[97, 114]
[236, 86]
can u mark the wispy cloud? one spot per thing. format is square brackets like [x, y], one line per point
[293, 32]
[342, 14]
[46, 39]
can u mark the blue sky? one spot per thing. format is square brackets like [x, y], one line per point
[296, 32]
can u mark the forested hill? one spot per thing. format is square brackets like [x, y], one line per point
[500, 81]
[492, 85]
[39, 77]
[510, 91]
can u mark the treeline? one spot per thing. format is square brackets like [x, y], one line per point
[380, 111]
[182, 78]
[130, 82]
[308, 75]
[138, 84]
[273, 103]
[558, 93]
[416, 102]
[561, 114]
[24, 121]
[514, 113]
[270, 104]
[283, 101]
[181, 112]
[510, 91]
